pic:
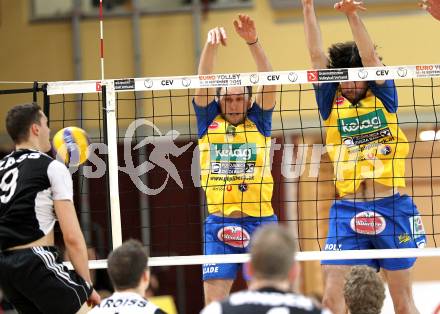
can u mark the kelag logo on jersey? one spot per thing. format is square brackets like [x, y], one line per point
[240, 152]
[366, 123]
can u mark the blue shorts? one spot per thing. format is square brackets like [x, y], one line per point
[388, 223]
[225, 235]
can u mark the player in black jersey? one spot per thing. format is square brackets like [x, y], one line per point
[35, 192]
[273, 270]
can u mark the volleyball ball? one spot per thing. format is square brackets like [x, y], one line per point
[71, 145]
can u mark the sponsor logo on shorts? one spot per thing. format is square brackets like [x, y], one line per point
[417, 228]
[210, 269]
[404, 238]
[333, 247]
[368, 222]
[234, 236]
[421, 244]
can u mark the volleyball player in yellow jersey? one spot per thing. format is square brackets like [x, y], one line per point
[366, 145]
[234, 142]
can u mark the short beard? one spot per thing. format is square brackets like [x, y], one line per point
[358, 98]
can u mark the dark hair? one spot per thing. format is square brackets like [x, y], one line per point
[126, 265]
[364, 291]
[345, 55]
[272, 252]
[248, 91]
[19, 120]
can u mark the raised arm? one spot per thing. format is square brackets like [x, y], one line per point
[363, 41]
[246, 29]
[432, 6]
[216, 37]
[313, 36]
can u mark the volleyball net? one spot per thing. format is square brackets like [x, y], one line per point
[142, 179]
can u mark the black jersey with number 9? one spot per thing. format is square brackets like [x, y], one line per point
[29, 182]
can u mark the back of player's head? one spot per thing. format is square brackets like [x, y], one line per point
[272, 252]
[127, 264]
[364, 291]
[19, 120]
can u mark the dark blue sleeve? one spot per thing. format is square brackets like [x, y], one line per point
[387, 94]
[261, 118]
[205, 116]
[325, 94]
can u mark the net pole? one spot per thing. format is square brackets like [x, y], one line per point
[110, 127]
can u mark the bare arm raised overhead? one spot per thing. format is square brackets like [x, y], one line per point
[363, 40]
[246, 29]
[215, 37]
[313, 36]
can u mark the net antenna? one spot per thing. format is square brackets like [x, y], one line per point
[101, 31]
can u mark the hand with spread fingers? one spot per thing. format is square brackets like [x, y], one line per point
[216, 36]
[349, 6]
[432, 6]
[245, 28]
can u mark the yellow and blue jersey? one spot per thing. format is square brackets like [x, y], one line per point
[364, 139]
[235, 161]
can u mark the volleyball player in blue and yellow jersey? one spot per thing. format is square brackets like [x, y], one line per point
[366, 146]
[234, 143]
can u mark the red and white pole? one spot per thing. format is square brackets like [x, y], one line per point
[101, 25]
